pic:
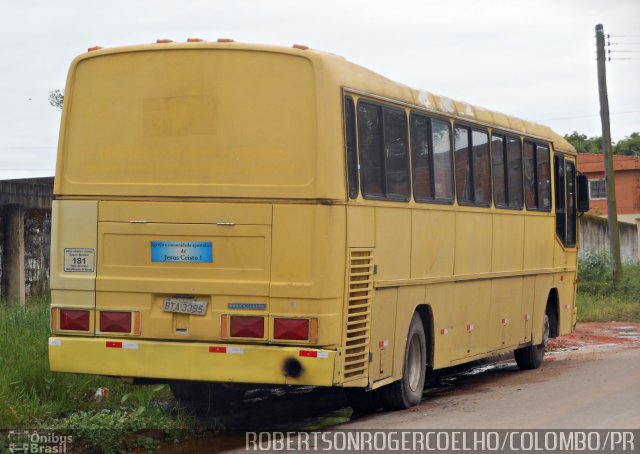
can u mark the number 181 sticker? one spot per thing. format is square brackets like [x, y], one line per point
[79, 260]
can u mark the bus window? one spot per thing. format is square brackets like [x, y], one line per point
[350, 140]
[384, 156]
[431, 159]
[443, 176]
[370, 141]
[421, 158]
[481, 168]
[499, 176]
[514, 173]
[537, 177]
[463, 175]
[571, 203]
[561, 220]
[473, 174]
[396, 156]
[544, 178]
[530, 176]
[507, 172]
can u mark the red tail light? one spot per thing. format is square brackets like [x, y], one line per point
[291, 329]
[247, 327]
[74, 320]
[115, 322]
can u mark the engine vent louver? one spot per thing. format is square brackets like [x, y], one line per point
[358, 314]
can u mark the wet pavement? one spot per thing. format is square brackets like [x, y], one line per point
[308, 408]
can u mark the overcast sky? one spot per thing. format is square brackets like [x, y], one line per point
[532, 59]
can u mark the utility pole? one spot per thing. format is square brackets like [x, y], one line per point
[612, 210]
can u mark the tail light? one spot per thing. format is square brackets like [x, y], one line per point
[74, 320]
[115, 322]
[291, 329]
[246, 326]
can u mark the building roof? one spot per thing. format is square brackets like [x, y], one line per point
[588, 162]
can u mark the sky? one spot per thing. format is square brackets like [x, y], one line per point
[534, 59]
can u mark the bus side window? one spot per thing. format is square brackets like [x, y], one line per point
[431, 159]
[571, 203]
[499, 175]
[473, 170]
[514, 173]
[544, 177]
[396, 156]
[481, 168]
[530, 176]
[421, 158]
[561, 219]
[463, 165]
[350, 140]
[370, 147]
[442, 171]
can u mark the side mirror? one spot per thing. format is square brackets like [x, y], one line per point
[583, 194]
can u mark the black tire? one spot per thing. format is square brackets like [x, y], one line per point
[407, 391]
[203, 397]
[531, 357]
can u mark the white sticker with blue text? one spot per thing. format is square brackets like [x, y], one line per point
[182, 251]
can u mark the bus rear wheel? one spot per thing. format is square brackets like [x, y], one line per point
[407, 391]
[531, 357]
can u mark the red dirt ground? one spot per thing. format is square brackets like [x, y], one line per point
[598, 335]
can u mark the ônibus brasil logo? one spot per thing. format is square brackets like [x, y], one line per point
[33, 441]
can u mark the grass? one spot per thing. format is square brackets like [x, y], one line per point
[599, 300]
[32, 397]
[597, 308]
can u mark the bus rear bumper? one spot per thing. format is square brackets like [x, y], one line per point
[231, 363]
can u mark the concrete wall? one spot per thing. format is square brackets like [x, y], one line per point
[37, 246]
[594, 233]
[25, 237]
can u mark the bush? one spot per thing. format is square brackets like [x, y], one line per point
[594, 272]
[598, 298]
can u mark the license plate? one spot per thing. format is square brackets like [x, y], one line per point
[184, 306]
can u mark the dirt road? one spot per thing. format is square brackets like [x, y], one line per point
[588, 380]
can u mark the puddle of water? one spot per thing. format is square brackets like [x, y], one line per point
[489, 367]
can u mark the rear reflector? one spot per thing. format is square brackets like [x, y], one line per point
[314, 354]
[74, 320]
[54, 320]
[291, 329]
[115, 322]
[228, 350]
[242, 326]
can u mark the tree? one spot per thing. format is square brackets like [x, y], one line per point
[56, 98]
[629, 146]
[584, 144]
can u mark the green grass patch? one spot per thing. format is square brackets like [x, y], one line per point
[599, 300]
[32, 397]
[598, 308]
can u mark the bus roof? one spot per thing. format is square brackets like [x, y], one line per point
[355, 77]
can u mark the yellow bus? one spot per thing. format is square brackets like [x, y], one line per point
[232, 214]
